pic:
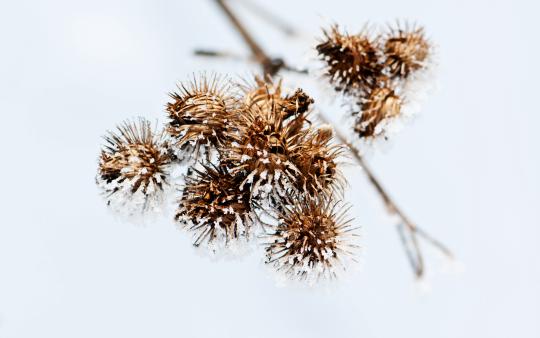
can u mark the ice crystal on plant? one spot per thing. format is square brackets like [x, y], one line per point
[215, 209]
[312, 241]
[134, 169]
[201, 115]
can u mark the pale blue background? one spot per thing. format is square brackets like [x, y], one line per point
[467, 170]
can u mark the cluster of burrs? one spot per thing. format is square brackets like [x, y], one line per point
[257, 170]
[383, 75]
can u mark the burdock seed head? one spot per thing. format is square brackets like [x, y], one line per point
[133, 168]
[406, 50]
[269, 137]
[268, 95]
[352, 61]
[265, 149]
[319, 163]
[215, 210]
[313, 240]
[201, 115]
[380, 107]
[277, 146]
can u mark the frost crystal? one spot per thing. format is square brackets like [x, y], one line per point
[134, 169]
[311, 242]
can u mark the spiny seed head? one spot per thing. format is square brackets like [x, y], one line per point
[267, 95]
[312, 240]
[201, 114]
[266, 148]
[318, 163]
[352, 61]
[133, 167]
[215, 209]
[406, 50]
[381, 105]
[295, 104]
[277, 147]
[260, 93]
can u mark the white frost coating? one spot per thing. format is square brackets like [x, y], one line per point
[222, 247]
[323, 273]
[419, 85]
[137, 207]
[317, 275]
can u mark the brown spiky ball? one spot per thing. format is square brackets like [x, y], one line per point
[381, 104]
[267, 95]
[277, 146]
[406, 50]
[214, 208]
[266, 148]
[134, 167]
[318, 163]
[312, 241]
[352, 61]
[201, 115]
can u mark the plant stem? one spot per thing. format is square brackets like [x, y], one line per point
[412, 249]
[269, 17]
[270, 66]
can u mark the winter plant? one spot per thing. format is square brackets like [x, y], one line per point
[256, 168]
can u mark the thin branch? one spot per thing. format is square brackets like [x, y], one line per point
[269, 17]
[414, 251]
[228, 55]
[217, 53]
[270, 66]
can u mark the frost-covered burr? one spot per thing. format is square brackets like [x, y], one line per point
[216, 211]
[312, 241]
[133, 171]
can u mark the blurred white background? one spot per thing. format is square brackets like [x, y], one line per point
[467, 170]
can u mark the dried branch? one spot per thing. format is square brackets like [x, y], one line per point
[269, 66]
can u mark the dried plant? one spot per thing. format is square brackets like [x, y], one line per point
[133, 170]
[380, 105]
[259, 167]
[268, 95]
[319, 162]
[352, 61]
[201, 115]
[405, 49]
[374, 72]
[215, 209]
[312, 240]
[266, 148]
[251, 150]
